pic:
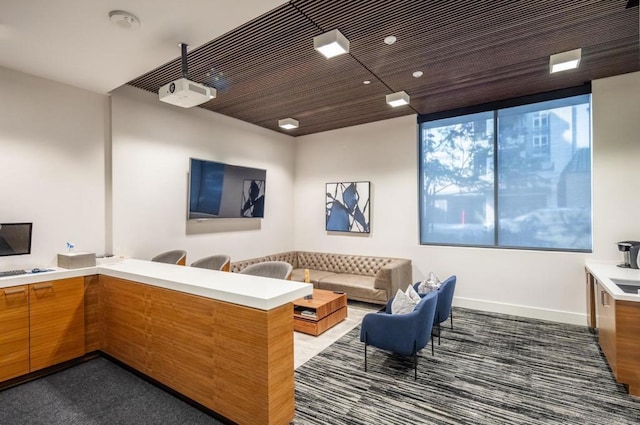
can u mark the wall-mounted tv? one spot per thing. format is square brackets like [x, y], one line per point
[218, 190]
[15, 238]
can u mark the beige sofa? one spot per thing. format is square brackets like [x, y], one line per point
[362, 278]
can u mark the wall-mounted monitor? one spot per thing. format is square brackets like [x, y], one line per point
[218, 190]
[15, 238]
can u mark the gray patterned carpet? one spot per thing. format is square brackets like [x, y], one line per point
[491, 369]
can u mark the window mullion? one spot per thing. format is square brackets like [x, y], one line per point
[495, 179]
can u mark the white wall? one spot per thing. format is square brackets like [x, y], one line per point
[616, 184]
[152, 144]
[52, 172]
[548, 285]
[52, 139]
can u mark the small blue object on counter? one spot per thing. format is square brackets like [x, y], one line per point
[37, 270]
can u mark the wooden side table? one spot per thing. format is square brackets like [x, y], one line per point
[325, 310]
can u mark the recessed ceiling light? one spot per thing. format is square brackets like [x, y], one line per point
[398, 99]
[124, 20]
[331, 43]
[390, 39]
[288, 123]
[366, 82]
[418, 74]
[565, 60]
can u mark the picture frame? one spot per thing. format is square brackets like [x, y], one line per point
[347, 207]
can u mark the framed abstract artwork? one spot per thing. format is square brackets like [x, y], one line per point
[347, 207]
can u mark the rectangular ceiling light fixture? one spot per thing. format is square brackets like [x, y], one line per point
[398, 99]
[288, 123]
[565, 60]
[331, 43]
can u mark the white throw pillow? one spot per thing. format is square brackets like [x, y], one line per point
[432, 283]
[411, 293]
[402, 304]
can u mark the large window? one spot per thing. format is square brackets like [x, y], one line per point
[516, 177]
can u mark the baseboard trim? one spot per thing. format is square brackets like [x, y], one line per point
[524, 311]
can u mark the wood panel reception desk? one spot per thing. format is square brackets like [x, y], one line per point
[224, 340]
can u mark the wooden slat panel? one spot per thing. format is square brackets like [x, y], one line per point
[470, 53]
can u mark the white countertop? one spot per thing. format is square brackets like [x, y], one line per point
[250, 291]
[604, 271]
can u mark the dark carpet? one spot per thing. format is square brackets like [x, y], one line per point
[95, 393]
[491, 369]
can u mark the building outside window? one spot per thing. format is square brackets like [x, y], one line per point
[515, 177]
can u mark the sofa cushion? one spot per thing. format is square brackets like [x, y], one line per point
[357, 287]
[314, 275]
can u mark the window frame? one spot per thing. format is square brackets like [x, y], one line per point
[494, 107]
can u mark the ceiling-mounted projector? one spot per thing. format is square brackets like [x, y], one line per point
[184, 92]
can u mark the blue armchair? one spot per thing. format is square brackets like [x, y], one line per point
[404, 334]
[445, 299]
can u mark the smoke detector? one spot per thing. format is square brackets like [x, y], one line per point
[124, 20]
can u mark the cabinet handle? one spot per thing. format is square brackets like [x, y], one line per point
[13, 291]
[39, 286]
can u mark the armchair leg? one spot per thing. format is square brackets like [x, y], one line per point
[365, 352]
[432, 343]
[415, 362]
[451, 317]
[439, 332]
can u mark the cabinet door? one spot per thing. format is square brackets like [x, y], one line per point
[56, 314]
[123, 317]
[607, 326]
[14, 332]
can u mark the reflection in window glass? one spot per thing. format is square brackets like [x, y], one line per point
[457, 181]
[544, 178]
[539, 196]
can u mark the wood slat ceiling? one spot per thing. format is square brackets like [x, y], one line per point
[471, 52]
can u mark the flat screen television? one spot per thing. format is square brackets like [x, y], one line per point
[218, 190]
[15, 238]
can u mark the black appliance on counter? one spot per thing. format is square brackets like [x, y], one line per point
[630, 251]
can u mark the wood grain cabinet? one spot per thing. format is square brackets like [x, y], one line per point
[14, 332]
[607, 324]
[235, 360]
[618, 324]
[56, 322]
[124, 310]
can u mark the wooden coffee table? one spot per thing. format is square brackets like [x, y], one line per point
[326, 309]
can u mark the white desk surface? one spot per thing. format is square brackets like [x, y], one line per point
[604, 271]
[250, 291]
